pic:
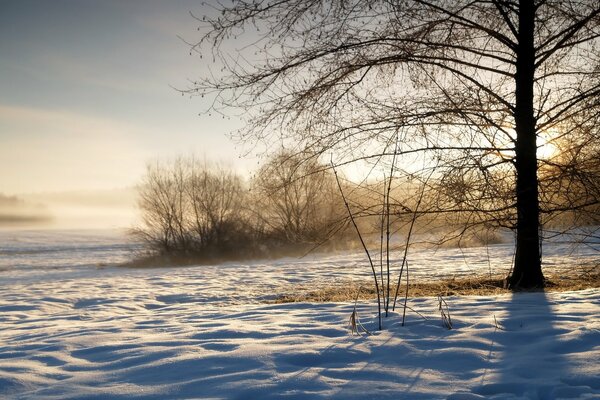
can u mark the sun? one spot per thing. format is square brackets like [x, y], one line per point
[546, 148]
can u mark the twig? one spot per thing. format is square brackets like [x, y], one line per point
[337, 179]
[354, 323]
[498, 326]
[445, 312]
[405, 296]
[385, 301]
[408, 236]
[418, 313]
[387, 244]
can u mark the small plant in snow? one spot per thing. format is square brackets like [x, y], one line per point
[497, 325]
[356, 327]
[444, 312]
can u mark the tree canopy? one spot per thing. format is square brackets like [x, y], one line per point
[470, 88]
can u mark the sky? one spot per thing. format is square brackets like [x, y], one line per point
[87, 94]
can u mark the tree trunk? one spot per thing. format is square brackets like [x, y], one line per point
[527, 272]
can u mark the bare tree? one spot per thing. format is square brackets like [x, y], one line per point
[570, 185]
[296, 198]
[570, 177]
[469, 86]
[216, 198]
[187, 206]
[163, 207]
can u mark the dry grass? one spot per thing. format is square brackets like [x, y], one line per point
[347, 290]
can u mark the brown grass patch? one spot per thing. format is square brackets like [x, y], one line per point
[347, 290]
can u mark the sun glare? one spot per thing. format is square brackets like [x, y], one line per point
[546, 149]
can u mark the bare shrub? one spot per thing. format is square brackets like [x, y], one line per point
[161, 202]
[216, 198]
[193, 209]
[296, 200]
[188, 206]
[444, 313]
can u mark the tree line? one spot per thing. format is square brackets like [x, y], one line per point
[198, 209]
[292, 204]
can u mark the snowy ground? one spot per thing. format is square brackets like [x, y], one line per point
[83, 330]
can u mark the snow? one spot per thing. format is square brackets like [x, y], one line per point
[81, 331]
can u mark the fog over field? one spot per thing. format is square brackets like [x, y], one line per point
[99, 209]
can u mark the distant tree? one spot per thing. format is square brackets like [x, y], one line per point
[296, 198]
[468, 87]
[570, 185]
[162, 204]
[570, 179]
[216, 196]
[188, 206]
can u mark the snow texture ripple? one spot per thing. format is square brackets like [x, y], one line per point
[202, 332]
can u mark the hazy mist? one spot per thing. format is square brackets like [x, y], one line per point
[102, 209]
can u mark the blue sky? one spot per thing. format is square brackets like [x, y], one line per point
[87, 98]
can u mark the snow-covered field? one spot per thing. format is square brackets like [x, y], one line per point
[72, 325]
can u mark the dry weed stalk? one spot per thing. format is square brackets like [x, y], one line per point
[444, 312]
[497, 325]
[356, 327]
[362, 242]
